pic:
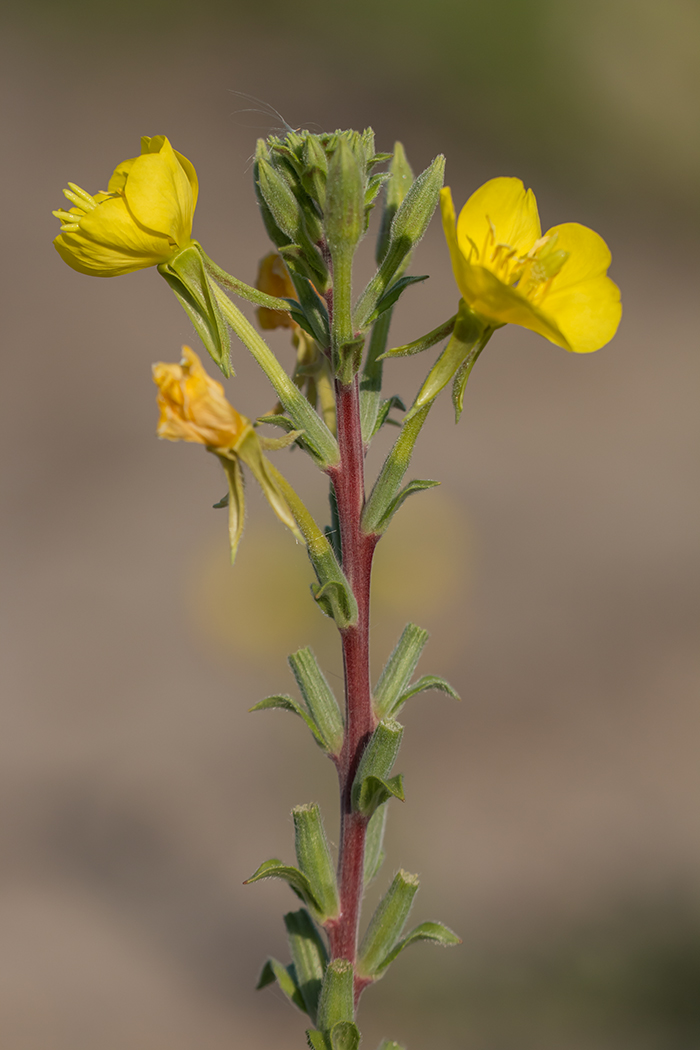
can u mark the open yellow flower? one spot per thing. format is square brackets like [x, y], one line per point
[508, 273]
[193, 407]
[143, 218]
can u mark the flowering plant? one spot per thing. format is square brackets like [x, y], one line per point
[315, 194]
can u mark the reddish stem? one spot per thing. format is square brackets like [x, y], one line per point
[360, 722]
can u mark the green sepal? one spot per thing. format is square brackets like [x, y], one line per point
[386, 925]
[240, 288]
[314, 859]
[424, 343]
[336, 599]
[235, 502]
[393, 294]
[467, 341]
[385, 408]
[298, 881]
[399, 669]
[337, 1000]
[186, 275]
[399, 185]
[288, 703]
[426, 931]
[408, 226]
[315, 170]
[417, 485]
[374, 844]
[318, 696]
[460, 381]
[286, 978]
[316, 1039]
[345, 1035]
[372, 786]
[309, 957]
[427, 682]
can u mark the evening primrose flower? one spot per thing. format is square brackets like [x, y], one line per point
[143, 219]
[508, 273]
[193, 407]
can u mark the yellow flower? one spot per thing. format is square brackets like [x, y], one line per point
[193, 406]
[273, 278]
[508, 273]
[143, 218]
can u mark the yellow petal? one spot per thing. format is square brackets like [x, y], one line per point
[159, 195]
[589, 255]
[509, 208]
[120, 175]
[111, 226]
[588, 313]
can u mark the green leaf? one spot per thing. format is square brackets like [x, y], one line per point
[374, 842]
[427, 931]
[393, 294]
[286, 978]
[387, 923]
[391, 475]
[399, 669]
[337, 1000]
[345, 1036]
[425, 342]
[336, 600]
[416, 485]
[314, 859]
[313, 311]
[319, 699]
[308, 955]
[288, 703]
[298, 881]
[375, 791]
[371, 382]
[385, 408]
[428, 681]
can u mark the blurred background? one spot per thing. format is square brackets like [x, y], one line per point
[552, 814]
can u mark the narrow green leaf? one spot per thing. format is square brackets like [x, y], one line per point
[428, 681]
[427, 931]
[337, 1001]
[425, 342]
[288, 703]
[387, 923]
[371, 381]
[375, 791]
[314, 859]
[286, 978]
[391, 475]
[393, 294]
[399, 669]
[385, 408]
[308, 955]
[374, 843]
[298, 881]
[319, 698]
[417, 485]
[371, 786]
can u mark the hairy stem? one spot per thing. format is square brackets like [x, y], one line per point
[357, 549]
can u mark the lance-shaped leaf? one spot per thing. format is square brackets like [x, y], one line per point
[385, 408]
[427, 682]
[399, 669]
[417, 485]
[393, 294]
[427, 931]
[374, 844]
[337, 1001]
[298, 881]
[309, 957]
[372, 785]
[286, 978]
[186, 275]
[288, 703]
[313, 309]
[408, 226]
[468, 339]
[387, 923]
[319, 698]
[391, 475]
[425, 342]
[314, 859]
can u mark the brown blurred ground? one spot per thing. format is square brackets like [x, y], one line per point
[552, 815]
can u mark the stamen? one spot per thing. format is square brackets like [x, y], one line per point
[85, 197]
